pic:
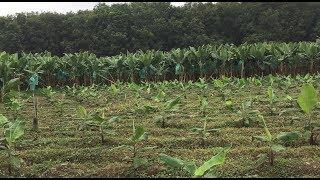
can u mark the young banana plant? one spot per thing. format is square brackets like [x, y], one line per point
[136, 146]
[114, 90]
[272, 98]
[202, 85]
[12, 132]
[48, 93]
[307, 101]
[161, 96]
[191, 166]
[184, 88]
[33, 82]
[229, 105]
[247, 116]
[220, 86]
[204, 132]
[166, 110]
[97, 119]
[274, 145]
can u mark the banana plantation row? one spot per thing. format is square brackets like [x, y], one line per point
[184, 64]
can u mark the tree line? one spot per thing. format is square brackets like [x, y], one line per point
[120, 28]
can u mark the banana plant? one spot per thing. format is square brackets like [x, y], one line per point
[204, 132]
[179, 57]
[184, 88]
[12, 132]
[166, 110]
[33, 82]
[307, 101]
[97, 119]
[202, 85]
[229, 104]
[136, 144]
[272, 98]
[161, 96]
[114, 90]
[242, 53]
[191, 166]
[48, 93]
[274, 143]
[220, 86]
[309, 52]
[247, 116]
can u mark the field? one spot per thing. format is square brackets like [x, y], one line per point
[62, 147]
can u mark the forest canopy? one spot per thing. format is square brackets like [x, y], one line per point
[110, 30]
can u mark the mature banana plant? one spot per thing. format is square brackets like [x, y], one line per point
[179, 57]
[242, 53]
[224, 55]
[309, 52]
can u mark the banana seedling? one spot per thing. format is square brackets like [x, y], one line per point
[191, 166]
[247, 116]
[272, 98]
[48, 93]
[33, 82]
[287, 82]
[307, 101]
[274, 145]
[203, 132]
[97, 119]
[12, 132]
[241, 83]
[114, 90]
[166, 110]
[161, 96]
[202, 85]
[136, 146]
[229, 105]
[219, 85]
[184, 88]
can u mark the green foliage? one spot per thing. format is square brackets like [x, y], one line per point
[165, 111]
[272, 98]
[136, 146]
[247, 116]
[307, 101]
[48, 92]
[307, 98]
[97, 119]
[9, 86]
[12, 132]
[273, 142]
[191, 167]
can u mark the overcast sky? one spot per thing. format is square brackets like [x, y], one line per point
[10, 8]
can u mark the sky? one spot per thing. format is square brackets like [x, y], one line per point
[10, 8]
